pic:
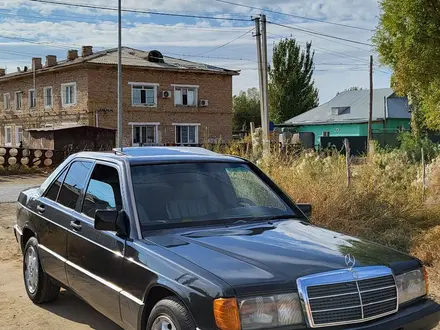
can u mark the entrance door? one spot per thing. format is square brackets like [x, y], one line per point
[144, 135]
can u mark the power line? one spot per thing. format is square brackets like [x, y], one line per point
[138, 11]
[321, 34]
[296, 16]
[228, 43]
[97, 20]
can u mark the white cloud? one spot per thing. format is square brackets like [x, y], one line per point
[183, 36]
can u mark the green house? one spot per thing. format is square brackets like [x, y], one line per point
[347, 115]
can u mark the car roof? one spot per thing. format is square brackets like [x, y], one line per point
[149, 155]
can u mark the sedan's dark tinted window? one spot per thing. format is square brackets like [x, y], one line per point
[52, 192]
[74, 183]
[103, 191]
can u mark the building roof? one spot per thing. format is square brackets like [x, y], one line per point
[353, 107]
[61, 127]
[135, 58]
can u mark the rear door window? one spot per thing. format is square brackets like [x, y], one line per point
[74, 183]
[103, 191]
[52, 192]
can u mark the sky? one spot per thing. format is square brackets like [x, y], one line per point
[36, 29]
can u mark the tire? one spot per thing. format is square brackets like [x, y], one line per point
[39, 287]
[172, 310]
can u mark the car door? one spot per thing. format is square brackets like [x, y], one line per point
[52, 223]
[95, 258]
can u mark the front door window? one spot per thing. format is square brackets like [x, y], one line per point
[144, 135]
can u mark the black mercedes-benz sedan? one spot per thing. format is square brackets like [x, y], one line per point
[183, 238]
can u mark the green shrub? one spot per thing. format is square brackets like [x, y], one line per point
[412, 145]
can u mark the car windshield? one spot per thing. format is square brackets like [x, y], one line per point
[189, 193]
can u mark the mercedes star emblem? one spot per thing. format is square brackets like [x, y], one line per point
[350, 261]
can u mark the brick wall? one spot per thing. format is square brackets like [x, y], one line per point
[97, 93]
[215, 120]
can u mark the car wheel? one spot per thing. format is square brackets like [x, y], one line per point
[39, 286]
[170, 314]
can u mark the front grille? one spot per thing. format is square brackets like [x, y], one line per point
[352, 301]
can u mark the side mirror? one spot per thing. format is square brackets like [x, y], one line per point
[106, 220]
[306, 209]
[112, 220]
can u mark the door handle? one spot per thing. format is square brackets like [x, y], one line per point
[40, 208]
[76, 225]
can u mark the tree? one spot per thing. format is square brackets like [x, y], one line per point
[408, 40]
[291, 87]
[246, 107]
[354, 88]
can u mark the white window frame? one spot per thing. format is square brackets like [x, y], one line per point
[16, 101]
[197, 126]
[148, 85]
[51, 97]
[17, 140]
[63, 101]
[179, 87]
[8, 144]
[156, 130]
[30, 99]
[7, 104]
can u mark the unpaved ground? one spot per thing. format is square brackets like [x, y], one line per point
[18, 312]
[10, 186]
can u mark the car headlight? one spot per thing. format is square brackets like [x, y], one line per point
[258, 312]
[412, 285]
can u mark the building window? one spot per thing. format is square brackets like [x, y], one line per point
[8, 136]
[68, 94]
[185, 95]
[18, 135]
[18, 100]
[32, 99]
[187, 133]
[144, 134]
[7, 101]
[48, 97]
[144, 95]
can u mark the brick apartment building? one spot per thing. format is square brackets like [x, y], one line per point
[165, 100]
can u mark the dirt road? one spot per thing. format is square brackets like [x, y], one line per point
[18, 312]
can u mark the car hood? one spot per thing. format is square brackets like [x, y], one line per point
[271, 256]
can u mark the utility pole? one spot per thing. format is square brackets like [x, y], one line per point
[265, 91]
[370, 117]
[120, 117]
[260, 68]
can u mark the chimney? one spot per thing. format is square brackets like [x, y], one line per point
[87, 51]
[72, 54]
[36, 63]
[51, 60]
[2, 72]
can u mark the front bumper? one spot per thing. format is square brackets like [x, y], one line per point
[424, 315]
[18, 235]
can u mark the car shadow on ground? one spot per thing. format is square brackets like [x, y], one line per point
[69, 306]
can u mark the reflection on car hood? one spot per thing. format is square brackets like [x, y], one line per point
[272, 256]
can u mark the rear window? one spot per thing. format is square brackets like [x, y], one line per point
[74, 183]
[197, 192]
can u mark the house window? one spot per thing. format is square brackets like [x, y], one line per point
[7, 101]
[144, 134]
[68, 94]
[144, 95]
[48, 97]
[185, 95]
[18, 135]
[32, 99]
[18, 100]
[187, 133]
[8, 136]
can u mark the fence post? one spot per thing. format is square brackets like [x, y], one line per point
[348, 161]
[423, 176]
